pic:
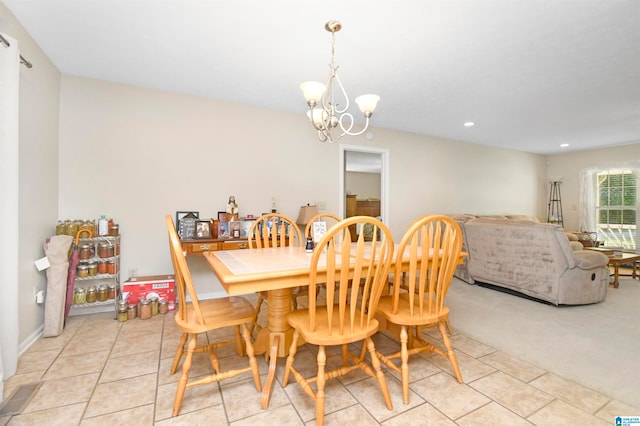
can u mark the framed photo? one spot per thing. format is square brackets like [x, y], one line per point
[245, 226]
[235, 229]
[185, 224]
[223, 229]
[203, 229]
[222, 217]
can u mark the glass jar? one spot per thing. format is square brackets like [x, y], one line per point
[102, 267]
[85, 251]
[93, 267]
[111, 267]
[102, 293]
[79, 296]
[82, 271]
[154, 305]
[111, 291]
[122, 314]
[145, 309]
[105, 250]
[116, 249]
[92, 294]
[114, 230]
[132, 311]
[163, 306]
[60, 228]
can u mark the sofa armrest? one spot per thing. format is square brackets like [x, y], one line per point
[589, 259]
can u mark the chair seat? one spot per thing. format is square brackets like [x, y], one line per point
[320, 336]
[223, 312]
[403, 317]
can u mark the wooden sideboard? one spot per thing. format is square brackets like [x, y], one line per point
[197, 247]
[357, 207]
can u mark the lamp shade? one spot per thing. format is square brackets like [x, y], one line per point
[313, 91]
[306, 213]
[367, 103]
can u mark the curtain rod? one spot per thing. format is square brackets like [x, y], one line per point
[22, 59]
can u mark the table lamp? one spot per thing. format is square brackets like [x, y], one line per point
[306, 213]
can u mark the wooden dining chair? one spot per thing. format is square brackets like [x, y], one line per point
[430, 250]
[351, 319]
[201, 316]
[328, 220]
[272, 230]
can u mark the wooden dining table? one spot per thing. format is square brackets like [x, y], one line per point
[277, 270]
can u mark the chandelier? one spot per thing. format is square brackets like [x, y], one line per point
[325, 111]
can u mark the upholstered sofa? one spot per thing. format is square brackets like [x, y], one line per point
[532, 258]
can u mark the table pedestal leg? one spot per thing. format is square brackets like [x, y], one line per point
[278, 336]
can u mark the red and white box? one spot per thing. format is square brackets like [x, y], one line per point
[162, 286]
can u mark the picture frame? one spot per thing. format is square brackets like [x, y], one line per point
[235, 229]
[222, 216]
[185, 223]
[203, 229]
[223, 229]
[245, 226]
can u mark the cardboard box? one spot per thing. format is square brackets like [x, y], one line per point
[162, 286]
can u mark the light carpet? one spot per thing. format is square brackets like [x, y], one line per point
[596, 345]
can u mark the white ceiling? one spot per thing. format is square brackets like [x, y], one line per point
[531, 74]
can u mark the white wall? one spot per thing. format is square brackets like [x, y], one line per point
[38, 173]
[137, 154]
[363, 185]
[568, 167]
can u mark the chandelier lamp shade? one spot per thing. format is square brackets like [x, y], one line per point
[324, 100]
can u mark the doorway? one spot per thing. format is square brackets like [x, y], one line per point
[364, 176]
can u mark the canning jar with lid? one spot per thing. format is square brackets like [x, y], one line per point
[105, 250]
[163, 306]
[82, 270]
[114, 230]
[79, 296]
[111, 291]
[145, 309]
[102, 293]
[85, 251]
[92, 294]
[122, 314]
[111, 267]
[93, 267]
[132, 311]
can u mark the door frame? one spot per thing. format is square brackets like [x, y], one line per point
[384, 178]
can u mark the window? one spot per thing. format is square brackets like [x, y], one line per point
[617, 208]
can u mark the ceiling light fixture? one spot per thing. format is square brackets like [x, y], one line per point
[564, 145]
[469, 124]
[325, 111]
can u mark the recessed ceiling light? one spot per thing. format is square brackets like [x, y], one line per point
[564, 145]
[469, 124]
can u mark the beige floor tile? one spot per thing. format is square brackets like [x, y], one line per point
[617, 408]
[210, 416]
[195, 398]
[492, 414]
[130, 366]
[77, 365]
[113, 397]
[447, 395]
[470, 346]
[141, 327]
[58, 416]
[283, 415]
[419, 368]
[579, 396]
[90, 342]
[242, 400]
[560, 413]
[470, 368]
[519, 369]
[129, 344]
[337, 397]
[31, 362]
[354, 415]
[139, 416]
[369, 395]
[59, 392]
[510, 392]
[423, 414]
[49, 343]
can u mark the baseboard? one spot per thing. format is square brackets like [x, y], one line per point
[30, 340]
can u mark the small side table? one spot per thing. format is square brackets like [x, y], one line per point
[623, 259]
